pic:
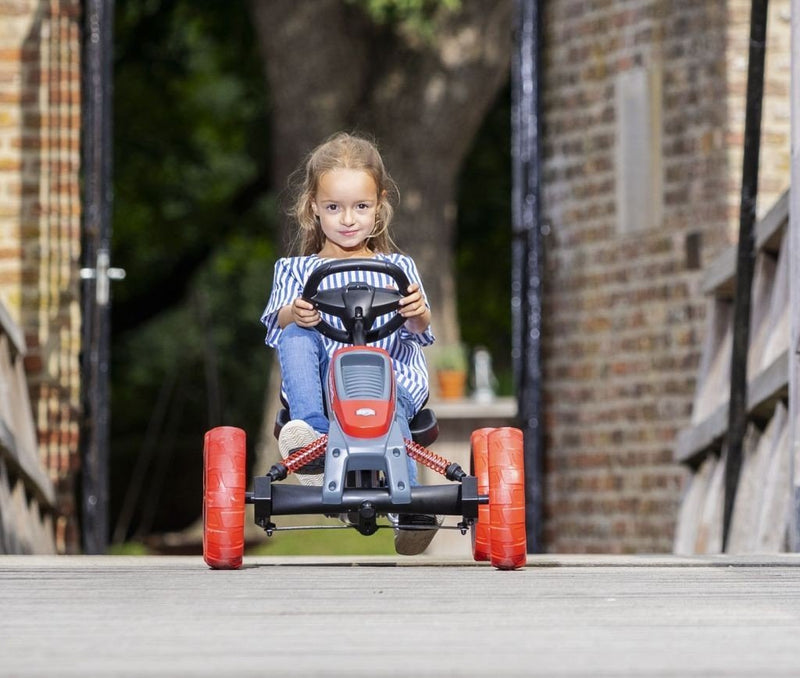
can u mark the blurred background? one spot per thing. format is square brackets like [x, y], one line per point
[201, 189]
[595, 269]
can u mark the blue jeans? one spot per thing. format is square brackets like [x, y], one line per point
[304, 366]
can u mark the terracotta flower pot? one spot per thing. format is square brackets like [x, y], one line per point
[452, 384]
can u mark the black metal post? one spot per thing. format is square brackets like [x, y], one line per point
[745, 262]
[526, 296]
[96, 152]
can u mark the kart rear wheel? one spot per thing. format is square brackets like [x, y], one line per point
[507, 499]
[224, 456]
[481, 530]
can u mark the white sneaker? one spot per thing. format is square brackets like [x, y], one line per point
[414, 532]
[295, 435]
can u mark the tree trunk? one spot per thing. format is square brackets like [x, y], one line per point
[329, 67]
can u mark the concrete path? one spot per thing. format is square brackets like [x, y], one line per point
[561, 616]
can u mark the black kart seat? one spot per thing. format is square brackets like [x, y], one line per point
[424, 427]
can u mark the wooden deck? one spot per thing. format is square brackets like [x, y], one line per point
[622, 616]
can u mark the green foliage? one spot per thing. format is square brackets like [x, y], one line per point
[199, 365]
[189, 128]
[449, 357]
[190, 157]
[483, 243]
[129, 548]
[416, 17]
[326, 542]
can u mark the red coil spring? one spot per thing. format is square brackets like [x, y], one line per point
[309, 453]
[424, 456]
[316, 449]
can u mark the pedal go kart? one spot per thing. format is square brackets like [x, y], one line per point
[365, 473]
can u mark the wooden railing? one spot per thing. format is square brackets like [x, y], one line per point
[27, 498]
[761, 514]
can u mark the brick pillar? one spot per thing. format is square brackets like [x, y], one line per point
[643, 122]
[40, 79]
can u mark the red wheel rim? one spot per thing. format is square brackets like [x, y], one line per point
[507, 498]
[224, 456]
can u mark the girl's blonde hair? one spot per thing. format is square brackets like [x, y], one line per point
[344, 151]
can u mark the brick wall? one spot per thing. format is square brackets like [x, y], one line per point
[624, 313]
[40, 48]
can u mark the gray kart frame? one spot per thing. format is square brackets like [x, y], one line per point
[364, 477]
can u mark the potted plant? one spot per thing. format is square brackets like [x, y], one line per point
[451, 366]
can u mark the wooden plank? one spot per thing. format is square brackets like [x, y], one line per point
[761, 321]
[22, 524]
[713, 386]
[746, 509]
[773, 523]
[709, 531]
[719, 279]
[771, 230]
[12, 331]
[768, 388]
[6, 378]
[22, 413]
[695, 443]
[21, 465]
[8, 535]
[692, 506]
[18, 444]
[777, 320]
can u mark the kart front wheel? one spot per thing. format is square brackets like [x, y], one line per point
[481, 529]
[507, 498]
[224, 456]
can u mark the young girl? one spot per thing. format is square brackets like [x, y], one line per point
[343, 210]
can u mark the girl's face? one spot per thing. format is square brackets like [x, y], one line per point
[346, 204]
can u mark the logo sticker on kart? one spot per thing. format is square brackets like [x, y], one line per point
[365, 412]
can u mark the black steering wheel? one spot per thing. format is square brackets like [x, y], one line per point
[357, 304]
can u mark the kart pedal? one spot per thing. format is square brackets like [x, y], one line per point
[315, 467]
[414, 532]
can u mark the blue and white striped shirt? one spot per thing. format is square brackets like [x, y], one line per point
[404, 347]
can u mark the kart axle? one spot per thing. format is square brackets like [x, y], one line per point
[279, 499]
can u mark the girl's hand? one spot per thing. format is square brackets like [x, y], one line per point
[414, 309]
[303, 313]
